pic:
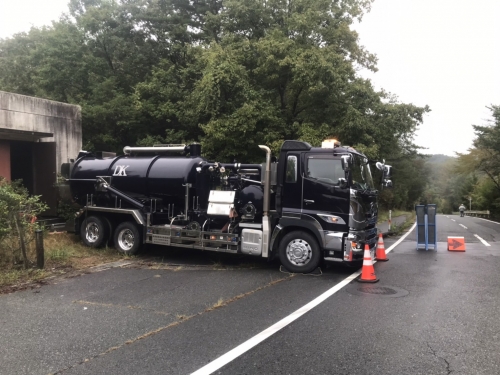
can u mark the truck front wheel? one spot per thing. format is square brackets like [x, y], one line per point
[299, 252]
[94, 231]
[127, 238]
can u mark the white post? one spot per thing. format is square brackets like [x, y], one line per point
[390, 215]
[470, 204]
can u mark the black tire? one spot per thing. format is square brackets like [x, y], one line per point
[109, 241]
[94, 231]
[299, 252]
[127, 238]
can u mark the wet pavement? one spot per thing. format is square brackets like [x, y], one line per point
[172, 312]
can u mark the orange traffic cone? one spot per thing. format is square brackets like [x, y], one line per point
[367, 272]
[380, 255]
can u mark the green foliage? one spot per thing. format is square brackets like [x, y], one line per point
[17, 213]
[474, 176]
[445, 186]
[480, 168]
[486, 196]
[231, 74]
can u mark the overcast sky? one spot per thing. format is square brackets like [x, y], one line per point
[441, 53]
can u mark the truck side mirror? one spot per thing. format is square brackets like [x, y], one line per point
[386, 174]
[387, 171]
[346, 162]
[385, 168]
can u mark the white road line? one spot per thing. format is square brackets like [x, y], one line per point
[453, 220]
[483, 241]
[480, 218]
[463, 226]
[258, 338]
[401, 239]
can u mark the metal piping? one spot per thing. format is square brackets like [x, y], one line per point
[238, 167]
[248, 171]
[186, 202]
[177, 148]
[252, 181]
[267, 179]
[116, 192]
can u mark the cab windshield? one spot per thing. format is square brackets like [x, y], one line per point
[361, 174]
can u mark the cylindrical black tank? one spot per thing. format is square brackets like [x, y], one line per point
[157, 176]
[250, 202]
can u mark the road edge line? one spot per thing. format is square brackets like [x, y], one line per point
[231, 355]
[482, 240]
[260, 337]
[401, 239]
[491, 221]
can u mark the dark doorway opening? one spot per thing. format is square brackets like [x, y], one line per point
[21, 163]
[35, 164]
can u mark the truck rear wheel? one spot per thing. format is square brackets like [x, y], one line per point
[94, 231]
[299, 252]
[127, 238]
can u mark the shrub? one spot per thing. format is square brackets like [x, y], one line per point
[18, 212]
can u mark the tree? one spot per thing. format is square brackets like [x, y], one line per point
[231, 74]
[480, 168]
[487, 145]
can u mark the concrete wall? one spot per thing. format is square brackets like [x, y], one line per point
[27, 118]
[36, 137]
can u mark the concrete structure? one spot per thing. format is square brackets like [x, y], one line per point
[36, 137]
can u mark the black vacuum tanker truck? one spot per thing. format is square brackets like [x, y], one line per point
[309, 205]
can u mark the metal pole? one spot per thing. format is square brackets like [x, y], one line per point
[40, 256]
[390, 216]
[426, 221]
[470, 204]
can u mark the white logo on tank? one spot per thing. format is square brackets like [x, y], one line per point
[120, 170]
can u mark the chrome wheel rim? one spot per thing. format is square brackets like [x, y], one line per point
[299, 252]
[92, 232]
[126, 239]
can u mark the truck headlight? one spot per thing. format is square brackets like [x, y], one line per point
[332, 219]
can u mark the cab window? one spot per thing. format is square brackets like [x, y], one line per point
[291, 169]
[325, 170]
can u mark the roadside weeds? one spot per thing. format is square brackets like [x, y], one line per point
[64, 255]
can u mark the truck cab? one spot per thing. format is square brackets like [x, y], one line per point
[326, 193]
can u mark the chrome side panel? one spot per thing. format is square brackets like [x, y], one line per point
[251, 241]
[266, 233]
[333, 240]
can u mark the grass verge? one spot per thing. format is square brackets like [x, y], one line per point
[397, 229]
[64, 252]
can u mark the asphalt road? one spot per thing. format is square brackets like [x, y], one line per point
[433, 312]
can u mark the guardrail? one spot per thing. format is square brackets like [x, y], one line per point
[478, 213]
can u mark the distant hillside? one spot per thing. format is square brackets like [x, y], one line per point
[439, 159]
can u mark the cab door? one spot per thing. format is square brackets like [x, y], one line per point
[322, 190]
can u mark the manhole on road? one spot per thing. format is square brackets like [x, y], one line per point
[376, 290]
